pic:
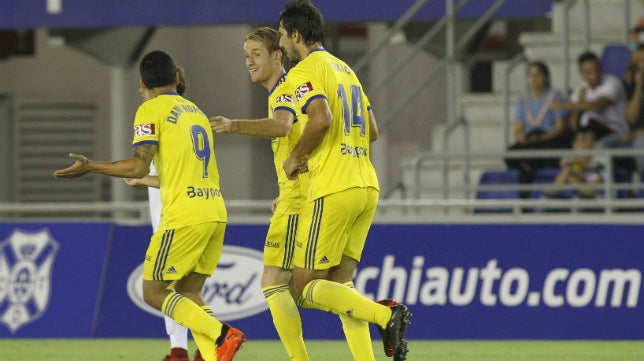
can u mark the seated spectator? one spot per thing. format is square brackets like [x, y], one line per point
[634, 138]
[536, 125]
[580, 171]
[599, 103]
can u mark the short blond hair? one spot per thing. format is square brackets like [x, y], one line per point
[267, 36]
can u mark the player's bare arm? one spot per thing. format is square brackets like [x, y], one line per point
[373, 127]
[147, 181]
[277, 126]
[320, 119]
[136, 167]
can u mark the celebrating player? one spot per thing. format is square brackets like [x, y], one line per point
[186, 248]
[177, 333]
[265, 64]
[334, 147]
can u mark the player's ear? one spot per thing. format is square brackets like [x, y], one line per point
[297, 36]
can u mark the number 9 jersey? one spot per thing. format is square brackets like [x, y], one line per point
[341, 161]
[185, 160]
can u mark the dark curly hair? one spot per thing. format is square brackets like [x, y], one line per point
[303, 17]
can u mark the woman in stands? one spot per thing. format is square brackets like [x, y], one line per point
[537, 125]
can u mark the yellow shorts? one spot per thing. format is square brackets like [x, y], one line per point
[334, 225]
[280, 241]
[173, 253]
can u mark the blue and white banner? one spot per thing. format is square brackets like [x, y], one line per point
[460, 281]
[50, 278]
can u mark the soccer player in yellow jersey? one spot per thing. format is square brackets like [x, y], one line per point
[186, 248]
[265, 64]
[334, 147]
[177, 333]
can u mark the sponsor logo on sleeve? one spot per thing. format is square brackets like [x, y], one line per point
[143, 130]
[303, 89]
[284, 98]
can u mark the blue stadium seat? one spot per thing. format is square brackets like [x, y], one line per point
[615, 58]
[542, 177]
[623, 176]
[497, 178]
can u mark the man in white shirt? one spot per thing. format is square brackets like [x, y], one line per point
[599, 102]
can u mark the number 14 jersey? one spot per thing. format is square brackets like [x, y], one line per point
[341, 161]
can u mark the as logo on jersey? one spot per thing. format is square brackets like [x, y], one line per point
[284, 98]
[303, 89]
[142, 130]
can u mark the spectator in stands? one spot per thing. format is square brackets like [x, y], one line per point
[599, 102]
[634, 138]
[635, 107]
[581, 172]
[536, 125]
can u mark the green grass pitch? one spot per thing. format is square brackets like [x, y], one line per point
[260, 350]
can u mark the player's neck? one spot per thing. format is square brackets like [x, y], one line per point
[163, 89]
[312, 47]
[272, 81]
[307, 49]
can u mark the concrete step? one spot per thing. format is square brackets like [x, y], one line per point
[483, 137]
[488, 107]
[606, 16]
[432, 180]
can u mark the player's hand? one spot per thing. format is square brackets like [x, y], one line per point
[221, 124]
[133, 182]
[294, 166]
[79, 168]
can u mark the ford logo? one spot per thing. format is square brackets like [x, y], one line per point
[233, 292]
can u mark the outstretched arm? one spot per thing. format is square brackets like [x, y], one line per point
[136, 167]
[277, 126]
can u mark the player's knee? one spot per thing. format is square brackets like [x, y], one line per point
[152, 298]
[274, 276]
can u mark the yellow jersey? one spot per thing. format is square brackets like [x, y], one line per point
[341, 161]
[291, 192]
[185, 160]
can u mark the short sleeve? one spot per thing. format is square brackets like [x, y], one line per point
[146, 126]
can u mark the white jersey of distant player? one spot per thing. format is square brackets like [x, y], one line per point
[154, 197]
[178, 334]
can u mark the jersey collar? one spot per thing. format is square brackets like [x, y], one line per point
[316, 49]
[278, 82]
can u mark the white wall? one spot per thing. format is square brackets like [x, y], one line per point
[217, 82]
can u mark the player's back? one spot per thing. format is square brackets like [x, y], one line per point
[185, 160]
[342, 160]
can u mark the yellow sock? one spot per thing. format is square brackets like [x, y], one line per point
[357, 334]
[205, 344]
[204, 327]
[286, 319]
[342, 300]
